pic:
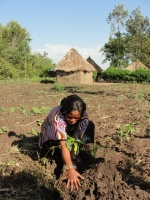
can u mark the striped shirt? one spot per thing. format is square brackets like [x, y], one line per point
[55, 127]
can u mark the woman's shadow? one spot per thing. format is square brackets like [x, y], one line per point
[29, 146]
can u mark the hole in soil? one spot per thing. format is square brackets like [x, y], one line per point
[87, 192]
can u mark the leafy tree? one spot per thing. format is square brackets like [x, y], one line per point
[16, 56]
[132, 45]
[110, 50]
[138, 31]
[40, 65]
[137, 24]
[15, 44]
[14, 35]
[7, 70]
[117, 20]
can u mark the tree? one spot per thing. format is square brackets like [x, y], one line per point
[15, 44]
[40, 65]
[16, 56]
[110, 50]
[138, 31]
[131, 45]
[117, 20]
[137, 24]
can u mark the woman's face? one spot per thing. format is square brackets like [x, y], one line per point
[73, 117]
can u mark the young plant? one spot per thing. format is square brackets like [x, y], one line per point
[39, 122]
[73, 144]
[37, 111]
[58, 87]
[126, 131]
[23, 109]
[12, 110]
[147, 117]
[3, 130]
[33, 132]
[95, 149]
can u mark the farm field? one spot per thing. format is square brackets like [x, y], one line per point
[116, 166]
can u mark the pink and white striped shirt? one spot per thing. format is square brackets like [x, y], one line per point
[55, 127]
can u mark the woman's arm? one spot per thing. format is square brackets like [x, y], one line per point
[73, 175]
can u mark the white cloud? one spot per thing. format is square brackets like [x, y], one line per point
[57, 52]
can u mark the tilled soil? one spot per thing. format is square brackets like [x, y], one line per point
[116, 166]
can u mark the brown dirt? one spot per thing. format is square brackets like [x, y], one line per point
[120, 168]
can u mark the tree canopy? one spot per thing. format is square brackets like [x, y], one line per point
[16, 59]
[129, 38]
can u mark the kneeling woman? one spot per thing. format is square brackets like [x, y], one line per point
[69, 118]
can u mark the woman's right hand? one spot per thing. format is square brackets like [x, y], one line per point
[72, 175]
[73, 179]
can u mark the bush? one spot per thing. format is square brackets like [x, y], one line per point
[120, 75]
[141, 75]
[58, 87]
[94, 75]
[7, 70]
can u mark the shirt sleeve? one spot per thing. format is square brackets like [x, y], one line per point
[53, 127]
[60, 127]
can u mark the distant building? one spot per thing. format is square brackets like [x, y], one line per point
[136, 65]
[74, 69]
[97, 68]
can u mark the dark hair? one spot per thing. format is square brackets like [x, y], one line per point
[73, 102]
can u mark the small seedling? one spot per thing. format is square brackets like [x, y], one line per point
[73, 144]
[39, 122]
[126, 131]
[58, 87]
[37, 111]
[94, 150]
[23, 109]
[147, 117]
[12, 110]
[33, 132]
[3, 130]
[53, 148]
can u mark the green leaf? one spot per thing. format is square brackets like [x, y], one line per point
[75, 148]
[69, 145]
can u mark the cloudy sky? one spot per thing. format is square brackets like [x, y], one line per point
[56, 26]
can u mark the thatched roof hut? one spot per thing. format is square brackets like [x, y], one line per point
[97, 68]
[136, 65]
[73, 68]
[93, 63]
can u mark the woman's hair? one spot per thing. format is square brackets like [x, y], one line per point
[73, 102]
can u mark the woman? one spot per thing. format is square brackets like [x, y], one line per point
[69, 118]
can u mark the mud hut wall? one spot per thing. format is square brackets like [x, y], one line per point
[74, 77]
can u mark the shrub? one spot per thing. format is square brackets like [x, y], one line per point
[58, 87]
[120, 75]
[141, 75]
[94, 75]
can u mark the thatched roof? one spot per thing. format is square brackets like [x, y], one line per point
[136, 65]
[73, 62]
[98, 69]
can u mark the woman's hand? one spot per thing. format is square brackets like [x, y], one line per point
[73, 179]
[72, 175]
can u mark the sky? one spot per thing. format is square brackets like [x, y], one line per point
[56, 26]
